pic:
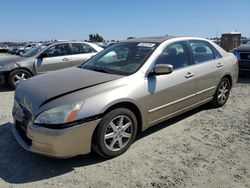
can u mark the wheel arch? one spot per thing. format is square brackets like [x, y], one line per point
[229, 77]
[22, 68]
[129, 105]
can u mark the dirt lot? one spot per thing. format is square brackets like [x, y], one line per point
[203, 148]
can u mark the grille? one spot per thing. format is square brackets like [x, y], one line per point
[21, 125]
[27, 116]
[22, 133]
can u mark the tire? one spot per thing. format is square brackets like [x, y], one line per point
[17, 76]
[118, 138]
[222, 93]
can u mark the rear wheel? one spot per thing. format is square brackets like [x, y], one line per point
[17, 76]
[115, 133]
[222, 93]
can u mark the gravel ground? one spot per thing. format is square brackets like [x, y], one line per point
[4, 54]
[203, 148]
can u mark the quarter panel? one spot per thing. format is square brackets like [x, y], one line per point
[28, 64]
[207, 78]
[107, 95]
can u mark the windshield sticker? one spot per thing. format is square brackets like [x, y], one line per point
[150, 45]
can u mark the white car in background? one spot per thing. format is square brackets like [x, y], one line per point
[27, 47]
[3, 48]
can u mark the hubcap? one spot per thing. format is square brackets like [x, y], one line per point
[20, 77]
[118, 133]
[223, 92]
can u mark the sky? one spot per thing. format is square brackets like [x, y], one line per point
[32, 20]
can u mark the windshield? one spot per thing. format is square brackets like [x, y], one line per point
[33, 51]
[122, 58]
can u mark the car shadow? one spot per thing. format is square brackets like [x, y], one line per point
[18, 166]
[172, 121]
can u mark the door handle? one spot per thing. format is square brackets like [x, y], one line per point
[66, 59]
[189, 75]
[219, 65]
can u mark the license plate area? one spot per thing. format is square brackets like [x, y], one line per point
[245, 56]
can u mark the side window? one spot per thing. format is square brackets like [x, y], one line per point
[58, 50]
[202, 51]
[80, 48]
[175, 54]
[216, 54]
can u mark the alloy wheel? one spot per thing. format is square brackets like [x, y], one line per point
[118, 133]
[223, 92]
[19, 77]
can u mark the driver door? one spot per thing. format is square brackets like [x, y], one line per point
[171, 93]
[55, 58]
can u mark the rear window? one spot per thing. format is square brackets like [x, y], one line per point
[81, 48]
[202, 51]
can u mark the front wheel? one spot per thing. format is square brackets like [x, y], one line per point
[21, 52]
[17, 76]
[115, 133]
[222, 93]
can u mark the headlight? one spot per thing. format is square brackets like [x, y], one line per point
[60, 114]
[7, 67]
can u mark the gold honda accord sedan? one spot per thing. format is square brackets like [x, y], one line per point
[127, 88]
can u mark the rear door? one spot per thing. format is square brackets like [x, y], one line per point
[56, 57]
[81, 52]
[171, 93]
[208, 63]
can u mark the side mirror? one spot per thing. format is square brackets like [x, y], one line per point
[43, 55]
[161, 69]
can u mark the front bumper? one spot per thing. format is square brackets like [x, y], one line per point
[59, 143]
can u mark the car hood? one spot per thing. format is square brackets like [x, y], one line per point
[10, 59]
[242, 48]
[42, 89]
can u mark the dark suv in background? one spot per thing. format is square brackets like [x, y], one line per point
[243, 55]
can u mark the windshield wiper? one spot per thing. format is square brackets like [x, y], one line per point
[99, 69]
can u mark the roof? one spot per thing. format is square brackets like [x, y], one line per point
[232, 33]
[159, 39]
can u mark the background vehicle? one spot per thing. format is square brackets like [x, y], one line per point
[3, 48]
[243, 55]
[13, 49]
[27, 47]
[126, 88]
[41, 60]
[102, 44]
